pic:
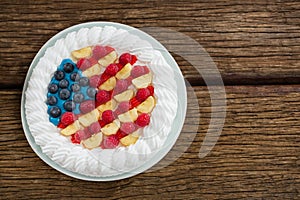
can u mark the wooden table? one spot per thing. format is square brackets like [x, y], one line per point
[256, 47]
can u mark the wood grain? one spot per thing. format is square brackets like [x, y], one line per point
[257, 155]
[253, 42]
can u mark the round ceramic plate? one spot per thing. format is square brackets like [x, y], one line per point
[176, 126]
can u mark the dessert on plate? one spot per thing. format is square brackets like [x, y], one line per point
[101, 101]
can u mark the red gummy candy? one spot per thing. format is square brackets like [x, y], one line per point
[108, 116]
[80, 135]
[61, 125]
[102, 123]
[110, 142]
[87, 106]
[142, 94]
[75, 139]
[86, 134]
[109, 49]
[102, 97]
[121, 86]
[127, 58]
[139, 71]
[104, 77]
[93, 61]
[67, 118]
[120, 66]
[151, 90]
[123, 106]
[111, 69]
[94, 128]
[133, 59]
[128, 127]
[80, 61]
[143, 120]
[120, 134]
[95, 81]
[84, 64]
[134, 102]
[101, 51]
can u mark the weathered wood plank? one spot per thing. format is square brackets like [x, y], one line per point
[251, 42]
[257, 155]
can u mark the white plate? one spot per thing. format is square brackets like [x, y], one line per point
[176, 126]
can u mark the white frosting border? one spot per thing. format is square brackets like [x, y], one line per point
[99, 162]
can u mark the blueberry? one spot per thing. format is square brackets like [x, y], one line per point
[78, 98]
[54, 111]
[64, 94]
[63, 83]
[68, 67]
[52, 88]
[52, 100]
[69, 105]
[74, 76]
[84, 81]
[91, 92]
[75, 87]
[59, 75]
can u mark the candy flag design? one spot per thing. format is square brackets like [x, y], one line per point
[100, 100]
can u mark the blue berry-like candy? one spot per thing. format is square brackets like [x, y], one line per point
[59, 75]
[61, 90]
[84, 81]
[78, 98]
[55, 111]
[52, 100]
[63, 83]
[69, 106]
[68, 67]
[53, 88]
[75, 76]
[64, 94]
[91, 92]
[75, 87]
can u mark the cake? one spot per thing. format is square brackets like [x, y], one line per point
[101, 101]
